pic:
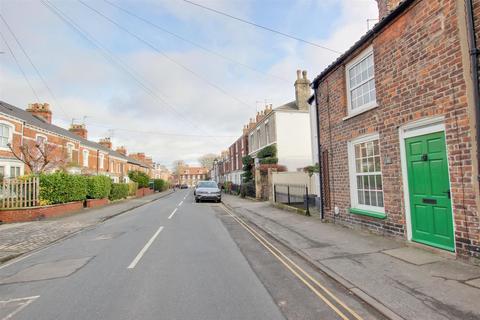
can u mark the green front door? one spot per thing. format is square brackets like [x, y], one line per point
[429, 187]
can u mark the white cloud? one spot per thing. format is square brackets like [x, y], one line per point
[86, 85]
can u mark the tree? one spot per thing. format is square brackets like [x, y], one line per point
[178, 165]
[247, 175]
[139, 177]
[207, 160]
[39, 157]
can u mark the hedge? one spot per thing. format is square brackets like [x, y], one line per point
[61, 187]
[118, 191]
[98, 187]
[268, 151]
[132, 188]
[160, 185]
[139, 177]
[269, 160]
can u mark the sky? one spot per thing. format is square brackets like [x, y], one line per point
[180, 81]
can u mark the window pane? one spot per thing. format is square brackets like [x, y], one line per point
[2, 170]
[367, 198]
[378, 181]
[380, 199]
[361, 199]
[359, 183]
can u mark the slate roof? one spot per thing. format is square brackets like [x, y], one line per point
[33, 121]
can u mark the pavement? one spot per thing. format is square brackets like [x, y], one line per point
[171, 259]
[20, 238]
[398, 280]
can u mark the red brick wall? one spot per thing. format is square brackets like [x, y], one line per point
[32, 214]
[418, 73]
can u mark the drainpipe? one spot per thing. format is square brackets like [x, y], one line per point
[319, 148]
[474, 71]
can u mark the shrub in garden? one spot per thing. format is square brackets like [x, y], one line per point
[61, 187]
[139, 177]
[98, 187]
[118, 191]
[132, 188]
[160, 185]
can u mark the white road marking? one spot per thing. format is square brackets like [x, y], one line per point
[181, 202]
[142, 252]
[22, 306]
[171, 214]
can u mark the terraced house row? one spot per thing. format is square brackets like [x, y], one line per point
[399, 117]
[24, 133]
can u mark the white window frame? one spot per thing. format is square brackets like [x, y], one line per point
[373, 104]
[10, 134]
[267, 132]
[353, 174]
[39, 135]
[259, 137]
[8, 164]
[101, 159]
[85, 155]
[70, 151]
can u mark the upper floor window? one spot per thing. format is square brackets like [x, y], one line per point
[85, 158]
[267, 132]
[69, 151]
[101, 158]
[360, 75]
[5, 135]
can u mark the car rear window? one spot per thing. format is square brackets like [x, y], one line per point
[207, 184]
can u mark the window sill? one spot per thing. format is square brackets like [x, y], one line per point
[358, 112]
[369, 213]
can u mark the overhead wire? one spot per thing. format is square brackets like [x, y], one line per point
[114, 60]
[166, 56]
[32, 64]
[212, 52]
[261, 26]
[20, 67]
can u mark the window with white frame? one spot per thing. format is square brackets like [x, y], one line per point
[101, 158]
[41, 139]
[5, 135]
[267, 132]
[69, 151]
[366, 174]
[360, 75]
[14, 171]
[85, 158]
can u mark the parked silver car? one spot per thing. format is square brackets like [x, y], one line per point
[207, 190]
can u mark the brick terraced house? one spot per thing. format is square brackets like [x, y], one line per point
[70, 149]
[191, 175]
[397, 128]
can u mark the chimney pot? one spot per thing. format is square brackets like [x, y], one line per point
[41, 111]
[79, 130]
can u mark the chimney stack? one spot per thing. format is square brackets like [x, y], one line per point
[106, 142]
[79, 130]
[386, 6]
[302, 90]
[41, 111]
[122, 150]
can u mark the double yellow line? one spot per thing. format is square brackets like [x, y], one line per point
[316, 287]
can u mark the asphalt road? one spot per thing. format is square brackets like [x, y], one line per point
[171, 259]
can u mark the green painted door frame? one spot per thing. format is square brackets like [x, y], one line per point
[429, 190]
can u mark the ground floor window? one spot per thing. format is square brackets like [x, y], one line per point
[11, 168]
[366, 174]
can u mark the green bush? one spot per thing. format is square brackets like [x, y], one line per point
[61, 187]
[267, 152]
[160, 185]
[118, 191]
[98, 187]
[132, 188]
[247, 169]
[269, 160]
[139, 177]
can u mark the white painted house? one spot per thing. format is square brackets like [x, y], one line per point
[286, 126]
